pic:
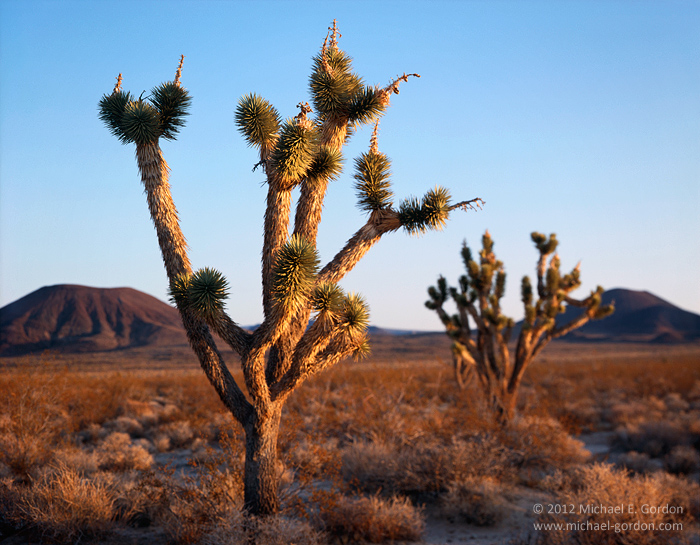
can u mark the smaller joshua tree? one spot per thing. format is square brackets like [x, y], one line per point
[484, 350]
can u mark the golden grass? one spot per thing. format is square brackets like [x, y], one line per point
[368, 433]
[615, 490]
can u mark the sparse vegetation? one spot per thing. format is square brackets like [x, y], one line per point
[647, 523]
[398, 457]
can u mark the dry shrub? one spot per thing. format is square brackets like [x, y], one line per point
[635, 411]
[655, 438]
[603, 485]
[126, 424]
[474, 500]
[190, 506]
[423, 468]
[22, 454]
[682, 460]
[32, 418]
[64, 507]
[118, 453]
[683, 492]
[585, 412]
[85, 463]
[675, 403]
[313, 459]
[179, 434]
[234, 528]
[372, 519]
[542, 443]
[639, 462]
[379, 403]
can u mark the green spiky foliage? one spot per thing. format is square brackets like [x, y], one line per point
[373, 185]
[294, 274]
[172, 102]
[179, 288]
[430, 213]
[366, 105]
[309, 323]
[207, 291]
[355, 314]
[257, 120]
[337, 92]
[362, 350]
[481, 332]
[327, 164]
[145, 120]
[294, 153]
[328, 298]
[111, 112]
[203, 292]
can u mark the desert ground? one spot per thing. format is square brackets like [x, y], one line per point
[134, 447]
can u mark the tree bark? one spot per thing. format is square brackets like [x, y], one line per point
[464, 371]
[261, 477]
[503, 405]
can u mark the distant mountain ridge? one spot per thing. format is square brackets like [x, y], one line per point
[72, 318]
[639, 316]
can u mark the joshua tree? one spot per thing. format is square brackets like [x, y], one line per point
[309, 322]
[483, 350]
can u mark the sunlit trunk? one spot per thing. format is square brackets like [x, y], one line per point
[261, 477]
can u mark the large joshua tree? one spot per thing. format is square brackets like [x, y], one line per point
[309, 322]
[483, 348]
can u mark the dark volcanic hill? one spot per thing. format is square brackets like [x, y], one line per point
[71, 318]
[639, 316]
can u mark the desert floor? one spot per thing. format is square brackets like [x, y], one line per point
[135, 447]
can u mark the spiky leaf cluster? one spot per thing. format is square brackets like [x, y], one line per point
[111, 112]
[144, 121]
[598, 311]
[338, 93]
[327, 297]
[332, 83]
[179, 290]
[172, 102]
[362, 350]
[438, 296]
[207, 291]
[257, 120]
[366, 105]
[571, 281]
[294, 272]
[294, 153]
[526, 295]
[485, 281]
[373, 181]
[203, 292]
[327, 164]
[418, 216]
[140, 123]
[355, 314]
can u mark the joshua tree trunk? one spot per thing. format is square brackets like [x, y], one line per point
[503, 405]
[261, 477]
[309, 322]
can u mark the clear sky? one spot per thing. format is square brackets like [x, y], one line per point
[580, 118]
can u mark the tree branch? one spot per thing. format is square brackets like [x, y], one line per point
[380, 222]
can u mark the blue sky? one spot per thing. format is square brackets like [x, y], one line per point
[580, 118]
